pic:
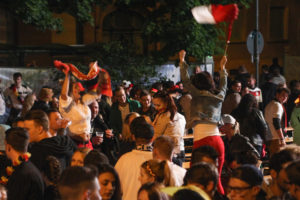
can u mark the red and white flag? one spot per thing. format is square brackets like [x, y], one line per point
[213, 14]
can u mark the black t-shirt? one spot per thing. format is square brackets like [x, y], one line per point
[25, 183]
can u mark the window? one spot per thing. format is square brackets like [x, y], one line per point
[278, 24]
[124, 25]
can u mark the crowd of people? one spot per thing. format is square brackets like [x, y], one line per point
[87, 144]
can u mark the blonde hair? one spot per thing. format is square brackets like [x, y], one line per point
[126, 134]
[160, 171]
[236, 127]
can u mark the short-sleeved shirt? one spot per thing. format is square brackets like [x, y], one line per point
[273, 110]
[78, 113]
[128, 168]
[16, 100]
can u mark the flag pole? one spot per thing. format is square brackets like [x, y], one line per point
[226, 47]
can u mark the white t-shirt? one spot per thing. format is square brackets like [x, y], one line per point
[177, 172]
[13, 99]
[128, 168]
[78, 113]
[273, 110]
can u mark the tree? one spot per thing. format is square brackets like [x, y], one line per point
[123, 63]
[169, 27]
[39, 13]
[171, 24]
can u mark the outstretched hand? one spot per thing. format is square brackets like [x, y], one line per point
[62, 66]
[223, 62]
[182, 54]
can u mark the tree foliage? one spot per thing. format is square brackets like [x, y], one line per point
[169, 27]
[171, 24]
[122, 62]
[39, 13]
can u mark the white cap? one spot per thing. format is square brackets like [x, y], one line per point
[228, 119]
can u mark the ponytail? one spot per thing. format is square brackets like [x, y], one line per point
[160, 171]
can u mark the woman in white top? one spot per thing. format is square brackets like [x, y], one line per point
[169, 122]
[74, 107]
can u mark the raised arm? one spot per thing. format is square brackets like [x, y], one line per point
[223, 62]
[65, 87]
[223, 78]
[184, 75]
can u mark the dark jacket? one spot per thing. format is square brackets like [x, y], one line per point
[237, 144]
[104, 109]
[110, 146]
[115, 120]
[253, 126]
[61, 147]
[26, 182]
[40, 105]
[98, 124]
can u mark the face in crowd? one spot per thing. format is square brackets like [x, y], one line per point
[237, 87]
[240, 190]
[18, 80]
[77, 159]
[159, 104]
[146, 101]
[55, 121]
[121, 97]
[282, 97]
[94, 109]
[107, 183]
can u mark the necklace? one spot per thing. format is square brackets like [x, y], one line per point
[10, 169]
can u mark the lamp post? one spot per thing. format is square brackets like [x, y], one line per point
[256, 52]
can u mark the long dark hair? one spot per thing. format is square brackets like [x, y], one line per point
[168, 100]
[103, 168]
[246, 106]
[204, 81]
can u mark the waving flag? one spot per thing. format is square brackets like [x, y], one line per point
[90, 78]
[94, 70]
[213, 14]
